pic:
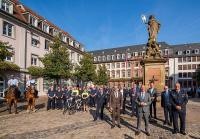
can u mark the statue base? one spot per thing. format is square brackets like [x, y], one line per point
[154, 70]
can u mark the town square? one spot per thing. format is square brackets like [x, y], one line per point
[101, 69]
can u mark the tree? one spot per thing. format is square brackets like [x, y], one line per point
[4, 65]
[57, 64]
[4, 51]
[86, 70]
[102, 77]
[35, 71]
[198, 76]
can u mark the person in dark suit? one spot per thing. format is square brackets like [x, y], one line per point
[166, 105]
[51, 98]
[179, 99]
[133, 91]
[100, 103]
[116, 102]
[58, 96]
[143, 101]
[124, 94]
[92, 96]
[153, 93]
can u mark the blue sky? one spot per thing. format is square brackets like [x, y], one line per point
[102, 24]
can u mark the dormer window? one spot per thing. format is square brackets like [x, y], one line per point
[108, 57]
[118, 56]
[196, 51]
[180, 52]
[128, 55]
[33, 21]
[55, 32]
[166, 51]
[95, 59]
[64, 38]
[135, 53]
[113, 57]
[46, 28]
[99, 58]
[104, 58]
[123, 56]
[6, 6]
[187, 52]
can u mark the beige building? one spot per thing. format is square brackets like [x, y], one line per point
[29, 35]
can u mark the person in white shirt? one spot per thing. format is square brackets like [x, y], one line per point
[13, 82]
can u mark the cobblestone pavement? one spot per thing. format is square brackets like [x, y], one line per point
[54, 125]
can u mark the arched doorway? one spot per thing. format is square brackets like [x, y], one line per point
[2, 86]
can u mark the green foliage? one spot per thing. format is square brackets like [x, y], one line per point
[57, 64]
[3, 50]
[5, 66]
[102, 77]
[35, 71]
[198, 76]
[86, 70]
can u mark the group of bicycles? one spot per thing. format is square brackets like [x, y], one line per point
[72, 105]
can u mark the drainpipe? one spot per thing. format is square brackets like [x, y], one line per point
[25, 58]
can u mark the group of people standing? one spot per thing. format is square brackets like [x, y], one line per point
[144, 105]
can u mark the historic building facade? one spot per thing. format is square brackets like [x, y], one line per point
[29, 36]
[123, 63]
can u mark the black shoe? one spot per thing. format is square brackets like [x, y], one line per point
[183, 133]
[137, 133]
[169, 123]
[174, 132]
[95, 119]
[119, 126]
[148, 134]
[112, 126]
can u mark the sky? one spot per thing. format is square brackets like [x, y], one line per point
[101, 24]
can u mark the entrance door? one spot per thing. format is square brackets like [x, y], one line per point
[2, 86]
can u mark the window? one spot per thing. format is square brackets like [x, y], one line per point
[35, 41]
[113, 57]
[180, 52]
[56, 32]
[47, 44]
[184, 74]
[194, 59]
[118, 56]
[189, 59]
[128, 73]
[113, 74]
[108, 66]
[123, 65]
[143, 53]
[184, 59]
[187, 52]
[135, 53]
[108, 73]
[113, 65]
[123, 56]
[128, 55]
[118, 73]
[34, 60]
[104, 58]
[6, 6]
[9, 58]
[136, 64]
[129, 64]
[189, 74]
[118, 65]
[95, 59]
[108, 57]
[198, 58]
[179, 59]
[99, 58]
[123, 73]
[33, 21]
[180, 75]
[8, 29]
[180, 67]
[184, 67]
[193, 66]
[196, 51]
[166, 51]
[46, 28]
[189, 67]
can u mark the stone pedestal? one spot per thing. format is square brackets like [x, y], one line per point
[154, 69]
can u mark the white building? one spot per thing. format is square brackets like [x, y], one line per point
[29, 35]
